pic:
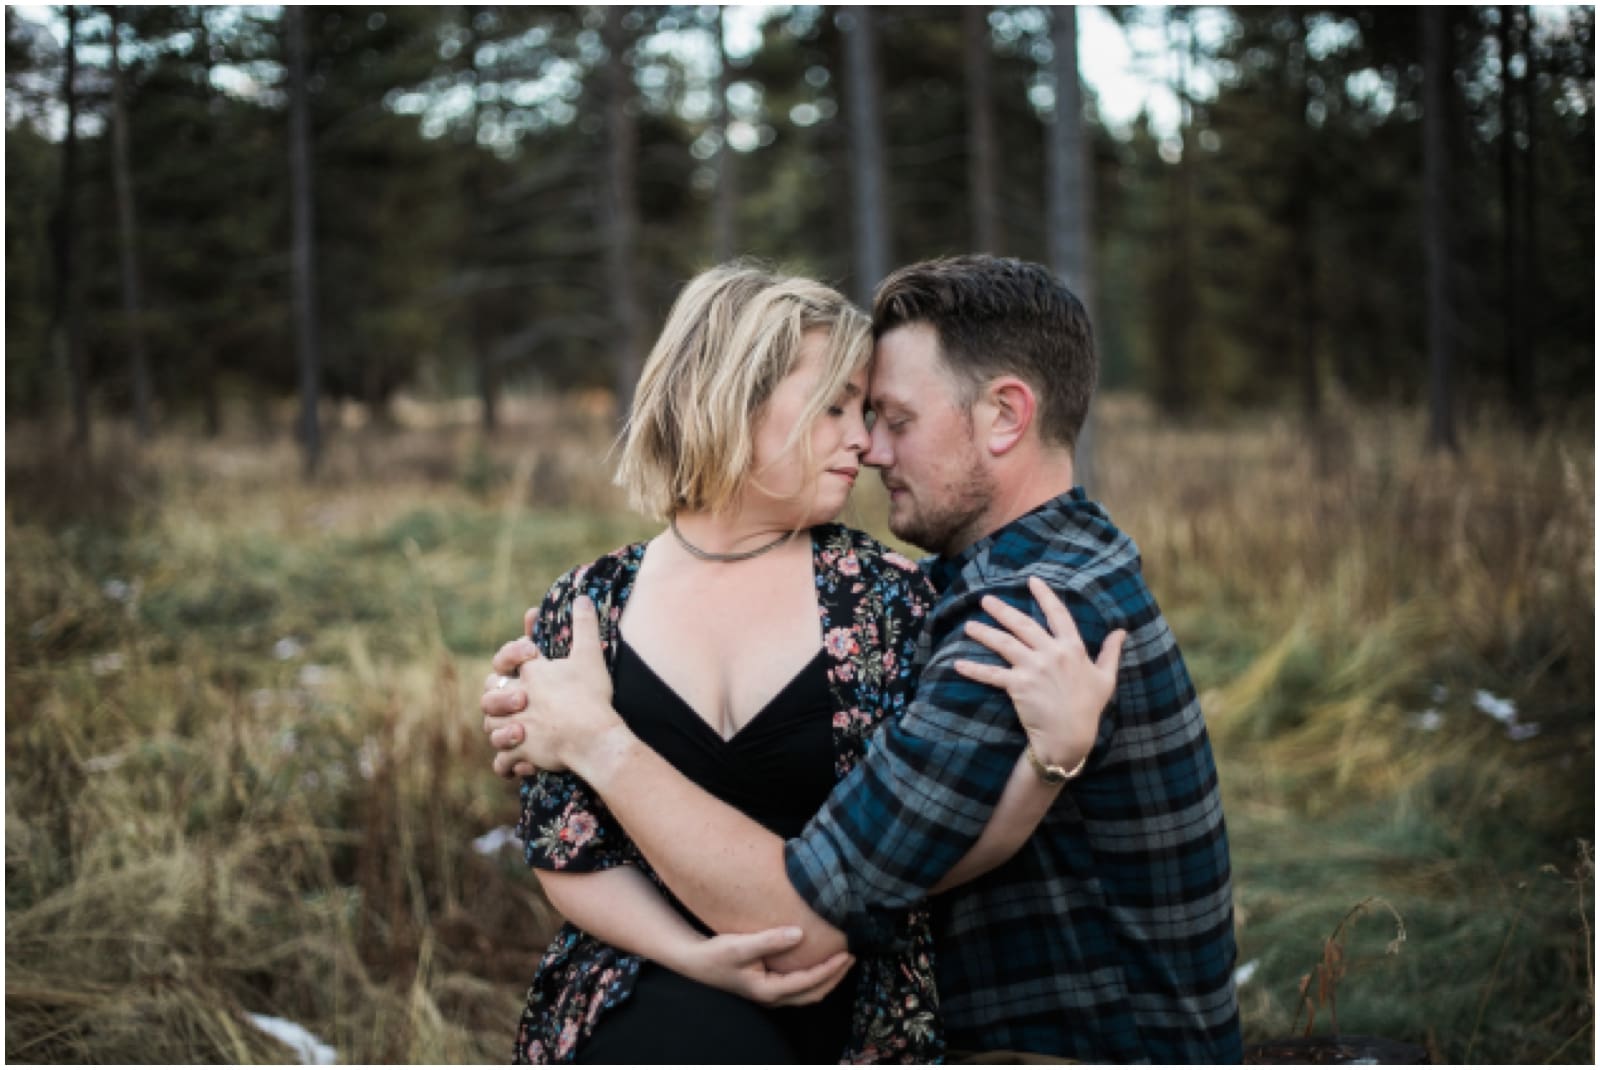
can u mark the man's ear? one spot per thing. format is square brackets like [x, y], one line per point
[1011, 407]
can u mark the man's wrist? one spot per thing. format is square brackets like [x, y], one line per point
[600, 757]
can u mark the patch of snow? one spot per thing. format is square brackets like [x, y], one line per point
[104, 763]
[367, 758]
[1427, 720]
[1505, 711]
[297, 1038]
[118, 590]
[495, 840]
[105, 664]
[1501, 709]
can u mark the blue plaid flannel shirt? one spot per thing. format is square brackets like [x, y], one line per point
[1109, 936]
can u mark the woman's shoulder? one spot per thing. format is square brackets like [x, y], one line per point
[597, 576]
[602, 580]
[844, 552]
[839, 543]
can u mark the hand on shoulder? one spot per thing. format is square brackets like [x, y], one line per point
[1059, 692]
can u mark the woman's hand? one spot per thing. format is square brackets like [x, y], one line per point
[1058, 691]
[735, 964]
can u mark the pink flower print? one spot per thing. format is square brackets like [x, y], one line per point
[850, 565]
[568, 1039]
[536, 1052]
[580, 829]
[841, 643]
[888, 661]
[597, 1006]
[841, 719]
[844, 672]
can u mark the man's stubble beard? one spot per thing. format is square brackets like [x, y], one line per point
[954, 522]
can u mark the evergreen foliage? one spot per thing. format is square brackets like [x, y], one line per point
[1265, 249]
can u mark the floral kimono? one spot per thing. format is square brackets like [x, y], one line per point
[872, 603]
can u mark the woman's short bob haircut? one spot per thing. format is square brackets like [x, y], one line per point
[732, 335]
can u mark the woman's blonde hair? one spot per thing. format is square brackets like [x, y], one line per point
[732, 335]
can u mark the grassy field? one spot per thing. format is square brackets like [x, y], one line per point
[244, 773]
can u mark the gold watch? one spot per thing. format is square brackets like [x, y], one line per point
[1054, 774]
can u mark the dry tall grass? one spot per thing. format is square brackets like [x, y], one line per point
[244, 771]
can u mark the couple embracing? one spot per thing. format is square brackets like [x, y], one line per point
[802, 800]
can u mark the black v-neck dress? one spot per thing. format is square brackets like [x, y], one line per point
[777, 769]
[871, 604]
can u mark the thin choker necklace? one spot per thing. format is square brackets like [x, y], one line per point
[743, 555]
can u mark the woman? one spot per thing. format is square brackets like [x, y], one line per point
[755, 645]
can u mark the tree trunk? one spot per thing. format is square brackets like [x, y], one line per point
[477, 212]
[1530, 258]
[210, 388]
[1509, 220]
[866, 154]
[981, 184]
[1436, 228]
[1173, 355]
[66, 330]
[305, 279]
[622, 209]
[726, 206]
[128, 249]
[1302, 250]
[1070, 199]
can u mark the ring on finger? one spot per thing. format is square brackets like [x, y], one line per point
[502, 682]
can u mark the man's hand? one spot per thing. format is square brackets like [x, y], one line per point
[564, 703]
[735, 963]
[1058, 692]
[503, 693]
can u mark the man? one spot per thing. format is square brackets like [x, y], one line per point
[1109, 935]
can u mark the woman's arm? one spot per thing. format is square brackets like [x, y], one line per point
[621, 907]
[1059, 694]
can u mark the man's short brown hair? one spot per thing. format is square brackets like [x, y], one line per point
[998, 316]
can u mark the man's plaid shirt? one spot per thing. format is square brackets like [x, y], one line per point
[1109, 936]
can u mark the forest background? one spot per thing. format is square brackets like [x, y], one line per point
[318, 323]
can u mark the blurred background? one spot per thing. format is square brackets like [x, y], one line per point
[318, 326]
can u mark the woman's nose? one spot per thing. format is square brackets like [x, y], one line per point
[858, 438]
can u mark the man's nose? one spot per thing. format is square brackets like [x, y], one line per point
[878, 454]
